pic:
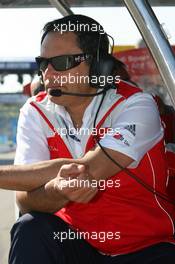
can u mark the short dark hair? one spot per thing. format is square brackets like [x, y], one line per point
[88, 40]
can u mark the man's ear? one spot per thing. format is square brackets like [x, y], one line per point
[40, 74]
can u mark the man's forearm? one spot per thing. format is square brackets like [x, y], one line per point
[31, 176]
[40, 200]
[56, 193]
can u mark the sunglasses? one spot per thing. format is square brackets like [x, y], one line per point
[61, 63]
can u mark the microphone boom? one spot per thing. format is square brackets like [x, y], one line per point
[58, 92]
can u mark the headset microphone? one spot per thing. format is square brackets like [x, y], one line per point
[58, 92]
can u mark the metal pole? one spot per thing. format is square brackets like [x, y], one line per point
[62, 7]
[156, 41]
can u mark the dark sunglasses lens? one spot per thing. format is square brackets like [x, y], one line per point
[63, 63]
[42, 63]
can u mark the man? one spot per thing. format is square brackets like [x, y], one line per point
[107, 203]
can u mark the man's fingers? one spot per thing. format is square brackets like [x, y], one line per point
[72, 169]
[80, 195]
[74, 182]
[87, 195]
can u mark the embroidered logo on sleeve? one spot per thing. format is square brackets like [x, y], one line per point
[126, 135]
[131, 128]
[120, 137]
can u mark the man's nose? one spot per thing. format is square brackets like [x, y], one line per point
[50, 71]
[53, 75]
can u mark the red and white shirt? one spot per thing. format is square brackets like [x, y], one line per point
[134, 216]
[136, 119]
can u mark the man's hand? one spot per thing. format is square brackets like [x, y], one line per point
[74, 183]
[50, 197]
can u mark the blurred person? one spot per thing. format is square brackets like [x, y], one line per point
[36, 86]
[121, 70]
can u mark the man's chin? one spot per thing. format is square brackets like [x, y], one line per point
[56, 99]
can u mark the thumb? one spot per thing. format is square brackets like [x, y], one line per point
[74, 169]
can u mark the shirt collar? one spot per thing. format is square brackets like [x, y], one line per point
[89, 111]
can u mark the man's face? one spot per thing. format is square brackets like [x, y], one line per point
[56, 44]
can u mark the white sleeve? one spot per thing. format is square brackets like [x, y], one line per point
[31, 140]
[136, 129]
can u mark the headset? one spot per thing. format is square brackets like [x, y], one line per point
[102, 64]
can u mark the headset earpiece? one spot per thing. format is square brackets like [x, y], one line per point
[102, 66]
[102, 69]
